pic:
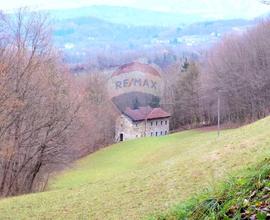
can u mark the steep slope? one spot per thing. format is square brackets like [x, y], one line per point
[245, 196]
[134, 179]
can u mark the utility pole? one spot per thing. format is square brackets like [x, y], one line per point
[145, 127]
[218, 114]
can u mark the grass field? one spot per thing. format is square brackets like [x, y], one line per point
[135, 179]
[244, 196]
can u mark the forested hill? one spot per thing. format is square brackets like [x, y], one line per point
[131, 16]
[85, 33]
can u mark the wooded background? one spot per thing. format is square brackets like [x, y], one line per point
[50, 117]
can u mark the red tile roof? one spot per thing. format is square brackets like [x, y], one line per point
[146, 113]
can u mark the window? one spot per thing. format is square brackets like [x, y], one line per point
[166, 122]
[136, 124]
[156, 133]
[161, 133]
[161, 122]
[151, 133]
[156, 122]
[166, 132]
[151, 123]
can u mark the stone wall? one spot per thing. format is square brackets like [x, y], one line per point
[133, 130]
[157, 127]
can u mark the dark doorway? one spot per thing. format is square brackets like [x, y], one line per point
[121, 137]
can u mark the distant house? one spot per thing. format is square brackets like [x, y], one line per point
[142, 122]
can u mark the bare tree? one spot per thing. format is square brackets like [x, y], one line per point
[238, 67]
[97, 113]
[235, 72]
[35, 105]
[186, 90]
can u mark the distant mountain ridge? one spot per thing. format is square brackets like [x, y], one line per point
[85, 33]
[130, 16]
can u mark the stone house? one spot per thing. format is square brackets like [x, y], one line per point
[141, 122]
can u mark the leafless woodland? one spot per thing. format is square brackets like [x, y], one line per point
[49, 117]
[42, 111]
[237, 70]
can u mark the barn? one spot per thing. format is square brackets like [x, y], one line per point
[142, 122]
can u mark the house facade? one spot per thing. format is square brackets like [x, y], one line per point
[142, 122]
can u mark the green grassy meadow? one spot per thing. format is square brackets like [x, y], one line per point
[136, 179]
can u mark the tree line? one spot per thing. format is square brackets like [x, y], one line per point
[47, 117]
[236, 70]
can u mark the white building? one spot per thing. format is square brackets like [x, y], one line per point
[142, 122]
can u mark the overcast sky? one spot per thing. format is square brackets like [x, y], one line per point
[211, 8]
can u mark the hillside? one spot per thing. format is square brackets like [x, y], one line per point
[135, 179]
[88, 33]
[131, 16]
[186, 12]
[81, 38]
[245, 196]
